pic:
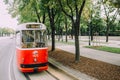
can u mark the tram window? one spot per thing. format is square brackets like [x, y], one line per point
[33, 38]
[18, 39]
[28, 36]
[40, 39]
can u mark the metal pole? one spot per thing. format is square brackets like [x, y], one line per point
[89, 33]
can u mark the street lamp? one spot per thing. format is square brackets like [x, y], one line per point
[89, 26]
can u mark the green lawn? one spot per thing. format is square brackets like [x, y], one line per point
[105, 48]
[64, 42]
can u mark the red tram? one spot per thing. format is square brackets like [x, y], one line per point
[31, 47]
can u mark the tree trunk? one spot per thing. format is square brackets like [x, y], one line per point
[43, 18]
[66, 30]
[66, 39]
[72, 31]
[62, 35]
[91, 32]
[107, 32]
[53, 37]
[52, 25]
[37, 13]
[77, 52]
[48, 33]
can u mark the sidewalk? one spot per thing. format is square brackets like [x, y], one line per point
[91, 53]
[107, 57]
[72, 72]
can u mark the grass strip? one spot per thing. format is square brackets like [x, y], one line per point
[105, 48]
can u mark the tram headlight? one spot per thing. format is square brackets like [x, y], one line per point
[35, 60]
[46, 58]
[22, 60]
[35, 52]
[35, 55]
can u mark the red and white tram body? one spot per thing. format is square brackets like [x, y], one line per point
[31, 47]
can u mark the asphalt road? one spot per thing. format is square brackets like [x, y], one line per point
[8, 69]
[5, 58]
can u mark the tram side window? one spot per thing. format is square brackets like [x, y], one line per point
[27, 38]
[18, 39]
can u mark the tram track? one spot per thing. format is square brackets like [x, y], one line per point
[52, 73]
[26, 76]
[47, 75]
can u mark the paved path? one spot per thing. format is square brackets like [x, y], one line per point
[93, 54]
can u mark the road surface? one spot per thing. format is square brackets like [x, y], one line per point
[9, 70]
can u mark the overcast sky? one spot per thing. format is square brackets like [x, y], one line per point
[5, 19]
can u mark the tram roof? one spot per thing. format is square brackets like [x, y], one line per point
[24, 26]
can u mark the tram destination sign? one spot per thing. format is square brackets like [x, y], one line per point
[33, 26]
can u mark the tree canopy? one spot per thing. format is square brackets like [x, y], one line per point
[74, 17]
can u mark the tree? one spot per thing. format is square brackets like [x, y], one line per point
[66, 28]
[52, 10]
[6, 31]
[73, 9]
[109, 10]
[96, 18]
[116, 3]
[26, 10]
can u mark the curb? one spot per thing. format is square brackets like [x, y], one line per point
[76, 74]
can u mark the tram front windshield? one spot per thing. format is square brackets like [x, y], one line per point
[33, 39]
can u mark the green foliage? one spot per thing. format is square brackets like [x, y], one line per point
[87, 10]
[34, 10]
[105, 48]
[116, 3]
[6, 30]
[97, 24]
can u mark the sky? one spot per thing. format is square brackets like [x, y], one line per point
[5, 19]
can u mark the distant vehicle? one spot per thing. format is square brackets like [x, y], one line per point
[31, 47]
